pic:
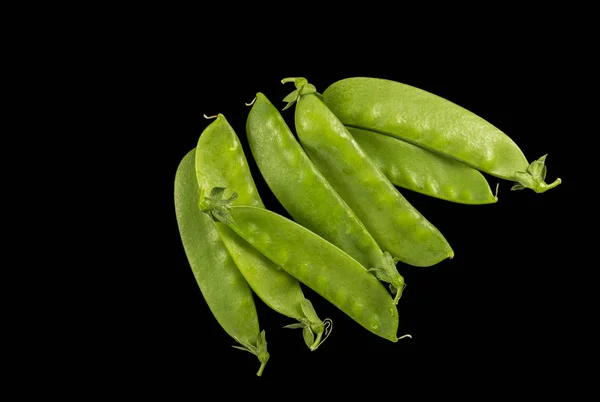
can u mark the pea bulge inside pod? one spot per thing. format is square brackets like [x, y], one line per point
[420, 170]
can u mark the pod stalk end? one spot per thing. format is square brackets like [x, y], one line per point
[534, 177]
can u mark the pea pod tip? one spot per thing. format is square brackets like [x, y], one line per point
[214, 116]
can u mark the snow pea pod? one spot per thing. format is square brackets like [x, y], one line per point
[417, 169]
[430, 121]
[221, 163]
[320, 265]
[397, 226]
[308, 197]
[222, 285]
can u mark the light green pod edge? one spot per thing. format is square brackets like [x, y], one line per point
[221, 163]
[222, 285]
[320, 265]
[396, 225]
[307, 196]
[430, 121]
[417, 169]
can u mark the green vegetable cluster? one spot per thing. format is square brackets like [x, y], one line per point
[338, 179]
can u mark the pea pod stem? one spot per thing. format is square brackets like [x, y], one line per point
[295, 80]
[533, 178]
[263, 359]
[397, 292]
[545, 187]
[259, 350]
[397, 296]
[327, 325]
[316, 344]
[263, 364]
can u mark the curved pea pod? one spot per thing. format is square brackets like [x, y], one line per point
[307, 195]
[320, 265]
[222, 285]
[221, 164]
[396, 225]
[430, 121]
[417, 169]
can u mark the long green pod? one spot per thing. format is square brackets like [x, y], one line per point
[420, 170]
[397, 226]
[222, 285]
[221, 163]
[430, 121]
[320, 265]
[306, 194]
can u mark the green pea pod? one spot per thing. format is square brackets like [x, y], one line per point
[417, 169]
[320, 265]
[224, 288]
[221, 164]
[430, 121]
[308, 197]
[395, 224]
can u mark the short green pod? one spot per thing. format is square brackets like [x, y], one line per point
[396, 225]
[430, 121]
[320, 265]
[308, 197]
[420, 170]
[221, 163]
[224, 288]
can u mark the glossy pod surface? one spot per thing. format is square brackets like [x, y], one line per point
[321, 266]
[428, 120]
[305, 193]
[220, 162]
[397, 226]
[432, 122]
[280, 290]
[222, 285]
[417, 169]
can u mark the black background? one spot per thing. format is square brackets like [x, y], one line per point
[119, 94]
[494, 311]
